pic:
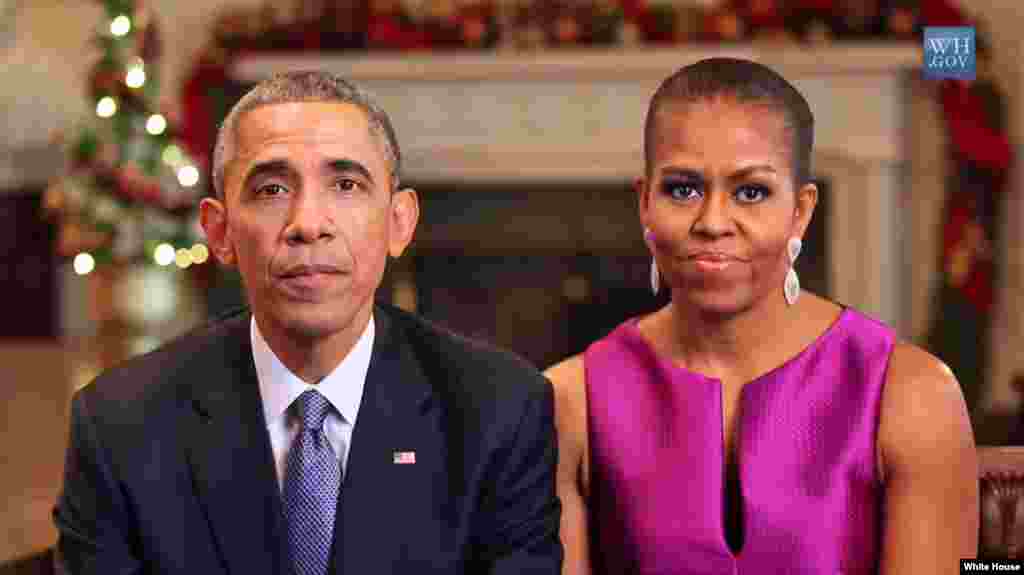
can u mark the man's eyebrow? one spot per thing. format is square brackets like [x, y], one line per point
[275, 167]
[345, 165]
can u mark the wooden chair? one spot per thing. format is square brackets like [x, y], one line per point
[1001, 491]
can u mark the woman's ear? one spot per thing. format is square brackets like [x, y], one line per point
[643, 200]
[806, 201]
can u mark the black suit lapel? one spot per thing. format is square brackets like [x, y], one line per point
[231, 460]
[398, 421]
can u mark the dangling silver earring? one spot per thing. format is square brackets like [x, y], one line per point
[791, 287]
[655, 275]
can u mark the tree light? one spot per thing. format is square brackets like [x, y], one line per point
[200, 253]
[188, 176]
[156, 124]
[172, 156]
[120, 26]
[106, 107]
[84, 263]
[183, 258]
[163, 255]
[136, 75]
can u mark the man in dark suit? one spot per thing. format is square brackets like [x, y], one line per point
[320, 433]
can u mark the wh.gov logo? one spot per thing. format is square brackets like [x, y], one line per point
[949, 53]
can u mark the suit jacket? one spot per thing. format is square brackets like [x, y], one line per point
[169, 468]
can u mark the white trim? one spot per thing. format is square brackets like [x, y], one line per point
[582, 64]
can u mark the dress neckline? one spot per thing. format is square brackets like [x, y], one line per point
[631, 330]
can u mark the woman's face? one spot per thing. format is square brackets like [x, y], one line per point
[720, 203]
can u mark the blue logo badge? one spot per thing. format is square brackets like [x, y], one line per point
[949, 53]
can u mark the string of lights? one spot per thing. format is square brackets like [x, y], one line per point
[129, 190]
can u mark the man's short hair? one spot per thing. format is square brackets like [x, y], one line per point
[303, 86]
[746, 82]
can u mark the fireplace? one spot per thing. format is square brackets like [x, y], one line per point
[546, 144]
[544, 269]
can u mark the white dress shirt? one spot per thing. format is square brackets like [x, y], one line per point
[279, 387]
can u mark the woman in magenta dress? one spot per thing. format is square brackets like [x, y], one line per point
[749, 427]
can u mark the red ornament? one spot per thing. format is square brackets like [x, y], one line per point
[818, 6]
[473, 30]
[941, 13]
[764, 14]
[389, 33]
[969, 133]
[197, 129]
[723, 24]
[104, 82]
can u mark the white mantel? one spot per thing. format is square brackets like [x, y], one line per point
[577, 115]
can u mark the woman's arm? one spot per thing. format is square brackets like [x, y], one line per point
[571, 426]
[929, 467]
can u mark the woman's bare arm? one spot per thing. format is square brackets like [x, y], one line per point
[571, 423]
[929, 467]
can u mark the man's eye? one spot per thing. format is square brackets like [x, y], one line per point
[346, 185]
[752, 194]
[271, 190]
[681, 190]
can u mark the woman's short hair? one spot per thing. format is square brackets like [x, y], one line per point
[746, 82]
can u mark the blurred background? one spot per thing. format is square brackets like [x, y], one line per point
[520, 123]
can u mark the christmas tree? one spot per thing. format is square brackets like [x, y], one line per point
[129, 190]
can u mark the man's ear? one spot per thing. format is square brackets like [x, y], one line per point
[405, 214]
[806, 200]
[213, 216]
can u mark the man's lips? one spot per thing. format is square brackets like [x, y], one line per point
[309, 271]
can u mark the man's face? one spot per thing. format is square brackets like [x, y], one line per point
[308, 216]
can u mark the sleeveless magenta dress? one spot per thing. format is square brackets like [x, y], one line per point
[811, 497]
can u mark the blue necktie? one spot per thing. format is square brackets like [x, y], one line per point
[311, 487]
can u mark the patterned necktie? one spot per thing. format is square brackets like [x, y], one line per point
[311, 486]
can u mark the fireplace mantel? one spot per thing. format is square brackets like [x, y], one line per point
[594, 63]
[577, 115]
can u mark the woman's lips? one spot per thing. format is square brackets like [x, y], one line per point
[709, 265]
[712, 261]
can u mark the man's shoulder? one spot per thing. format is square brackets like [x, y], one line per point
[162, 376]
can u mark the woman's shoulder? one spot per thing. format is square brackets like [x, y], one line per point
[923, 414]
[916, 379]
[567, 378]
[567, 372]
[910, 362]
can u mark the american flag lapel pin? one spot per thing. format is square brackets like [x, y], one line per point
[405, 457]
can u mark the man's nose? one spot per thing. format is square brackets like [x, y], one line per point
[309, 219]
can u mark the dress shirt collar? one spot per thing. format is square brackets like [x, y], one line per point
[343, 387]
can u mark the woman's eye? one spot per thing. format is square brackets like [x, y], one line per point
[751, 194]
[681, 190]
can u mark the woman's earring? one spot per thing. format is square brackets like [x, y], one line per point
[655, 275]
[791, 287]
